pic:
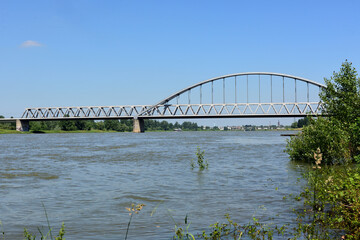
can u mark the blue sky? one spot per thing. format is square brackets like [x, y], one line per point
[79, 53]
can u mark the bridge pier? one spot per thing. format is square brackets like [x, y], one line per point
[22, 125]
[138, 125]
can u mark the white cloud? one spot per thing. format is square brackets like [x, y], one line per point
[30, 43]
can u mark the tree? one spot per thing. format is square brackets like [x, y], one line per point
[337, 134]
[112, 124]
[341, 98]
[35, 126]
[6, 125]
[67, 125]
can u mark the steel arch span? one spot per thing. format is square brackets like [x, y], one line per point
[242, 95]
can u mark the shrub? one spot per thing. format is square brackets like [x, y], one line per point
[201, 161]
[322, 133]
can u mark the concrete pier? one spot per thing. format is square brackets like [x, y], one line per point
[138, 126]
[22, 125]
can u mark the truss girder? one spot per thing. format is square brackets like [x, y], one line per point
[239, 109]
[235, 89]
[177, 111]
[84, 112]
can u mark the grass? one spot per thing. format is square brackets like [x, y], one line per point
[7, 131]
[60, 236]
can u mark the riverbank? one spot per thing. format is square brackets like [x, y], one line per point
[10, 131]
[7, 131]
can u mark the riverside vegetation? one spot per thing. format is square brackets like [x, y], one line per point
[99, 126]
[113, 125]
[330, 197]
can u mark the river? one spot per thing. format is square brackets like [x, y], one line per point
[87, 180]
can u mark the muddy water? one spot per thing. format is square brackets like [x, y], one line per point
[87, 181]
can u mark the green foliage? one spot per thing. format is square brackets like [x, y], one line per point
[60, 236]
[153, 125]
[201, 161]
[106, 125]
[28, 236]
[7, 126]
[232, 230]
[322, 133]
[35, 126]
[355, 139]
[341, 100]
[67, 125]
[180, 234]
[341, 97]
[337, 135]
[301, 123]
[331, 204]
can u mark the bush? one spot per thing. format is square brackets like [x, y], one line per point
[322, 133]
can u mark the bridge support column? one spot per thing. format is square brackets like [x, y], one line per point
[138, 126]
[22, 125]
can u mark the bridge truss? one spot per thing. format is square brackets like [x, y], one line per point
[251, 94]
[276, 95]
[92, 112]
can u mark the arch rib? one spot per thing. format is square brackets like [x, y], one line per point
[177, 94]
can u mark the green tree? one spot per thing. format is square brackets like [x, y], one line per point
[35, 126]
[341, 98]
[337, 134]
[67, 125]
[100, 125]
[7, 125]
[112, 125]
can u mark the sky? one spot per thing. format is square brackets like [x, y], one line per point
[105, 53]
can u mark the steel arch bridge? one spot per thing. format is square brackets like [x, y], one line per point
[240, 95]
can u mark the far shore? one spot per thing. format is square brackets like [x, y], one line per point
[8, 131]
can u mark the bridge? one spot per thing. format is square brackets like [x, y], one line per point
[240, 95]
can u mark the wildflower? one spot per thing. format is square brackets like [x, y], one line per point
[135, 209]
[329, 180]
[318, 158]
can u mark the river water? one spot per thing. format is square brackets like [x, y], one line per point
[87, 180]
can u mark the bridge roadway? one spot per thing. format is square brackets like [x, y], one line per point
[170, 108]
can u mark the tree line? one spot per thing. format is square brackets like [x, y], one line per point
[106, 125]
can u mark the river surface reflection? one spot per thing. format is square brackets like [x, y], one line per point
[87, 180]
